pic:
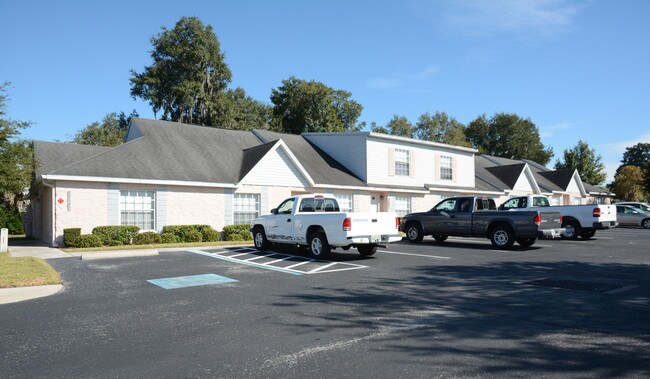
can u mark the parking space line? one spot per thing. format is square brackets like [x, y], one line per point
[300, 263]
[219, 256]
[240, 254]
[321, 268]
[276, 261]
[413, 255]
[259, 257]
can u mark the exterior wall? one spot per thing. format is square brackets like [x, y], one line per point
[522, 186]
[275, 169]
[195, 205]
[425, 162]
[84, 206]
[46, 215]
[348, 149]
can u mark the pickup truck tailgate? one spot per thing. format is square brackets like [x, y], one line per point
[372, 224]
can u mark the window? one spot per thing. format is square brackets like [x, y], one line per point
[246, 207]
[138, 208]
[402, 162]
[345, 202]
[446, 205]
[446, 168]
[540, 202]
[402, 205]
[286, 207]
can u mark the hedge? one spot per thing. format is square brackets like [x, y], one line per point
[70, 236]
[168, 238]
[183, 232]
[11, 219]
[237, 232]
[146, 238]
[89, 240]
[122, 233]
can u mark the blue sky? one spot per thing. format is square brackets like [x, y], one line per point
[577, 69]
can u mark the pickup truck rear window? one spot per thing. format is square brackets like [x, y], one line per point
[319, 205]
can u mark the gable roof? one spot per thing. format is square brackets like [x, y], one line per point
[50, 156]
[508, 174]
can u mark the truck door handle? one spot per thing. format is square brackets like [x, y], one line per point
[288, 220]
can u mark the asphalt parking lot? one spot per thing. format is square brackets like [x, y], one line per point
[456, 309]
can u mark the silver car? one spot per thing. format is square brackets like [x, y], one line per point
[642, 206]
[630, 216]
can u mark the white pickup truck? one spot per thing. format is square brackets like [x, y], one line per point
[317, 222]
[578, 220]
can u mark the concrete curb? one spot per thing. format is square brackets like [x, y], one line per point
[92, 255]
[14, 295]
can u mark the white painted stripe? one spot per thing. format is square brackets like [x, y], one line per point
[260, 257]
[413, 255]
[337, 270]
[241, 249]
[321, 268]
[277, 260]
[300, 263]
[237, 255]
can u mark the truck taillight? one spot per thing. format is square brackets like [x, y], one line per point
[560, 220]
[397, 222]
[347, 224]
[538, 219]
[596, 212]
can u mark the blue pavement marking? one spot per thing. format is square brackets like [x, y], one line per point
[190, 281]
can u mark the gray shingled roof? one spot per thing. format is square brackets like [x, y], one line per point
[322, 168]
[51, 156]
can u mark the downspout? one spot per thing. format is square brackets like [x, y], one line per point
[53, 205]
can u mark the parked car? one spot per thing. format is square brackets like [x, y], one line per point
[317, 222]
[630, 216]
[577, 220]
[478, 217]
[642, 206]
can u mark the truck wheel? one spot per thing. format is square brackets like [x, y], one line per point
[440, 238]
[259, 238]
[526, 242]
[572, 230]
[318, 246]
[502, 236]
[586, 234]
[646, 223]
[414, 232]
[367, 250]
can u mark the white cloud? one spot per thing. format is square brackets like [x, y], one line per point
[524, 18]
[549, 131]
[405, 80]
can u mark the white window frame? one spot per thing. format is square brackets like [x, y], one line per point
[402, 162]
[402, 205]
[245, 203]
[446, 167]
[345, 202]
[133, 202]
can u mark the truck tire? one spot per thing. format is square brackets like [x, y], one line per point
[502, 236]
[572, 231]
[586, 234]
[259, 239]
[646, 223]
[440, 238]
[367, 250]
[318, 246]
[526, 242]
[414, 232]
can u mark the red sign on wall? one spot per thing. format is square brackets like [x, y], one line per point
[60, 201]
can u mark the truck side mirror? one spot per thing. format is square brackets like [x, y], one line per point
[274, 211]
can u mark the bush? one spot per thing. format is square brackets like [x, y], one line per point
[89, 240]
[122, 233]
[115, 243]
[146, 238]
[70, 236]
[182, 232]
[193, 236]
[210, 235]
[168, 238]
[11, 219]
[237, 232]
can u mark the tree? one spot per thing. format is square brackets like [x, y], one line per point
[509, 136]
[233, 109]
[188, 70]
[638, 155]
[441, 128]
[397, 126]
[16, 156]
[628, 183]
[110, 132]
[589, 165]
[310, 106]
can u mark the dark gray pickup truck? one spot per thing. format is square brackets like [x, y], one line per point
[478, 217]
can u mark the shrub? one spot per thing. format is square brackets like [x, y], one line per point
[193, 236]
[237, 232]
[115, 243]
[122, 233]
[70, 236]
[89, 240]
[146, 238]
[182, 231]
[168, 238]
[11, 219]
[210, 235]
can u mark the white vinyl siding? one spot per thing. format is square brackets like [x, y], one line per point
[138, 208]
[349, 149]
[246, 207]
[276, 169]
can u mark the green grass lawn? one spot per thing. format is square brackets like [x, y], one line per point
[156, 246]
[26, 271]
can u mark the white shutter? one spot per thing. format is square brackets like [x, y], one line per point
[391, 161]
[412, 163]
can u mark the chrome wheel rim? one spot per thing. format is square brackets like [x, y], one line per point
[569, 231]
[316, 246]
[259, 239]
[413, 233]
[501, 237]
